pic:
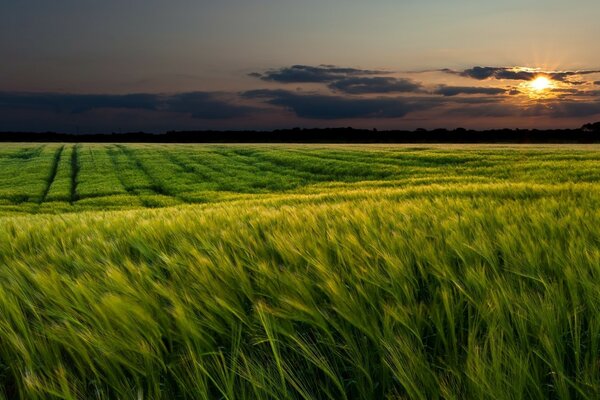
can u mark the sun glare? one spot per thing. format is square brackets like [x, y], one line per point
[540, 84]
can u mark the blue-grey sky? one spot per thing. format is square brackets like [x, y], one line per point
[168, 48]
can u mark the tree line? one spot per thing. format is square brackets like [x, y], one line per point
[588, 133]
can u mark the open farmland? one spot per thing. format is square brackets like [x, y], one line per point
[299, 272]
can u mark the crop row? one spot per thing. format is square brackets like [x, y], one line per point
[57, 177]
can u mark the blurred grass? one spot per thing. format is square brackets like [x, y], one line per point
[339, 273]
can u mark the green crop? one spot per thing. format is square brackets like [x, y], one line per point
[299, 272]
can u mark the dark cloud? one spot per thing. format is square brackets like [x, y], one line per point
[456, 90]
[317, 106]
[365, 85]
[482, 73]
[76, 103]
[310, 74]
[575, 109]
[564, 76]
[567, 92]
[594, 93]
[202, 105]
[498, 110]
[575, 93]
[511, 73]
[553, 109]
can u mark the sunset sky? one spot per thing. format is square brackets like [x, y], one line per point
[109, 66]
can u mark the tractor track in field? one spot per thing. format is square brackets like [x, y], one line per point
[155, 184]
[74, 174]
[27, 153]
[252, 158]
[52, 175]
[191, 168]
[128, 189]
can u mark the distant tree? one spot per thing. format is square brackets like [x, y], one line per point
[595, 127]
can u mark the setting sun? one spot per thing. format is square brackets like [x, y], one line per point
[540, 84]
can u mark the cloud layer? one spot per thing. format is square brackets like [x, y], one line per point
[322, 93]
[316, 106]
[517, 73]
[201, 105]
[309, 74]
[366, 85]
[457, 90]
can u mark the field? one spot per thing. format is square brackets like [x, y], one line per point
[299, 272]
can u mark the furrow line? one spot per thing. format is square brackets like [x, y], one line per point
[52, 174]
[74, 173]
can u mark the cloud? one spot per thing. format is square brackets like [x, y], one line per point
[498, 110]
[517, 73]
[310, 74]
[563, 92]
[563, 76]
[76, 103]
[481, 73]
[554, 109]
[317, 106]
[456, 90]
[327, 107]
[365, 85]
[575, 109]
[201, 105]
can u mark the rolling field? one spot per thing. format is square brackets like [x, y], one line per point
[299, 272]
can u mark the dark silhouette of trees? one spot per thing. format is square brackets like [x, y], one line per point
[589, 133]
[595, 127]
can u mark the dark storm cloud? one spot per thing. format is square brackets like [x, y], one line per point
[482, 73]
[317, 106]
[456, 90]
[201, 105]
[575, 109]
[310, 74]
[204, 105]
[511, 73]
[553, 109]
[76, 103]
[565, 92]
[576, 93]
[366, 85]
[497, 110]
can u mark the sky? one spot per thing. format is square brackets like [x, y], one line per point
[112, 66]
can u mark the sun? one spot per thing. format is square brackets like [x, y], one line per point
[540, 84]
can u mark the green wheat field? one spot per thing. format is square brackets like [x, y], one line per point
[299, 272]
